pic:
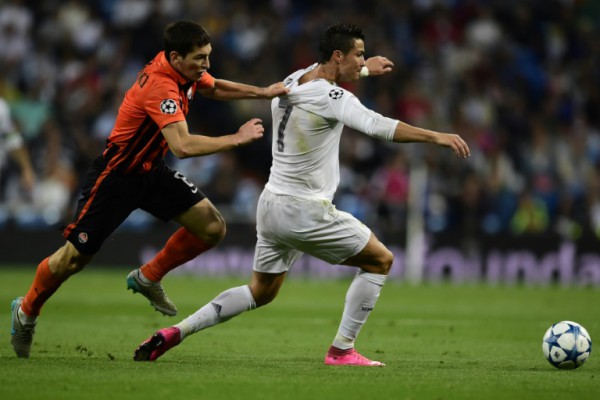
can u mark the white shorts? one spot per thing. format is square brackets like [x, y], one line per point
[288, 226]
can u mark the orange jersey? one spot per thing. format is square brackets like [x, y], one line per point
[159, 96]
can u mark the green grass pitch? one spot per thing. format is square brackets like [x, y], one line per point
[439, 342]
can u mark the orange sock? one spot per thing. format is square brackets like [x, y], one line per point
[181, 247]
[44, 285]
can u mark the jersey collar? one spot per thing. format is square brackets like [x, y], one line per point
[168, 68]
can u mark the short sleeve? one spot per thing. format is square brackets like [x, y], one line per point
[163, 105]
[207, 80]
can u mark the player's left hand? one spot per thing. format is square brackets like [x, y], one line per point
[276, 89]
[379, 65]
[455, 142]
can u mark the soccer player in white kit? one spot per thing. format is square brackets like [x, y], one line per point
[295, 214]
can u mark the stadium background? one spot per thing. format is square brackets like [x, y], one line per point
[518, 80]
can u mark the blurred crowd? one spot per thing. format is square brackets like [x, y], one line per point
[517, 79]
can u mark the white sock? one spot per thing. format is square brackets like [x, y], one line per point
[225, 306]
[143, 278]
[360, 300]
[26, 319]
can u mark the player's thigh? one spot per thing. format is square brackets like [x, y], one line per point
[312, 226]
[273, 257]
[107, 199]
[67, 260]
[173, 197]
[334, 238]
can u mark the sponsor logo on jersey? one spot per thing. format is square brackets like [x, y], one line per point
[168, 106]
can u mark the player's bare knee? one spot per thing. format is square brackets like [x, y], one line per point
[215, 231]
[73, 267]
[387, 261]
[68, 261]
[382, 263]
[75, 263]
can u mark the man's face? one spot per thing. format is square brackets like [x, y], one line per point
[194, 64]
[351, 63]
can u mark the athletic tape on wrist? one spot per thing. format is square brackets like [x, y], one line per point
[364, 72]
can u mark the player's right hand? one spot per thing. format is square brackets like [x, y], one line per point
[379, 65]
[250, 131]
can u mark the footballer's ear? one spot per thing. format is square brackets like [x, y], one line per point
[174, 57]
[337, 56]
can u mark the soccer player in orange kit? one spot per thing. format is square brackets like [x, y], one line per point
[131, 174]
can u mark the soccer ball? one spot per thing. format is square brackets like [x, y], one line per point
[567, 345]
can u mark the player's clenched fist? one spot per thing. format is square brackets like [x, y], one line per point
[250, 131]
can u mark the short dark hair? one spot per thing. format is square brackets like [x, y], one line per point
[338, 37]
[182, 36]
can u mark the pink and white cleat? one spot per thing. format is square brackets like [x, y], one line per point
[337, 356]
[158, 344]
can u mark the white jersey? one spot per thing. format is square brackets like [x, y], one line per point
[307, 126]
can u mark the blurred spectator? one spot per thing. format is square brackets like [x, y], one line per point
[16, 21]
[593, 203]
[501, 184]
[56, 189]
[531, 215]
[516, 79]
[389, 191]
[12, 146]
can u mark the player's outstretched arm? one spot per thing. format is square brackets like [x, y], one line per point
[228, 90]
[378, 65]
[408, 133]
[183, 145]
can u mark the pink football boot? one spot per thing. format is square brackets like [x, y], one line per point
[158, 344]
[337, 356]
